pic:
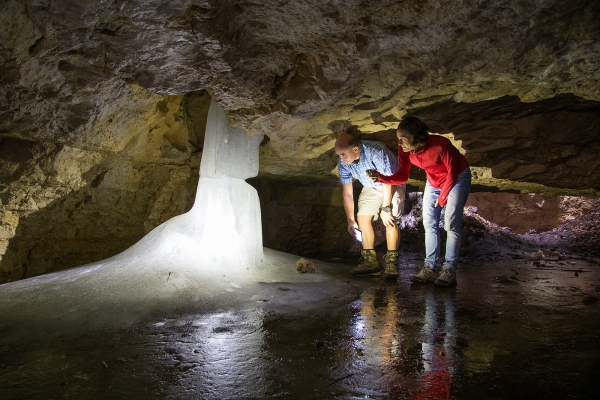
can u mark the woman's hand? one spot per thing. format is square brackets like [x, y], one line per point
[373, 175]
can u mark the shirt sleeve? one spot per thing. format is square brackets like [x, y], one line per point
[402, 174]
[345, 174]
[384, 160]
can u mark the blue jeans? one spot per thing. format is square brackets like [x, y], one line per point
[453, 217]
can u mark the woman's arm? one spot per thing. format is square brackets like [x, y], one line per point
[401, 175]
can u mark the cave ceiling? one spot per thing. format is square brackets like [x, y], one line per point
[516, 84]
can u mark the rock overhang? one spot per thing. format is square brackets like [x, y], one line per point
[301, 72]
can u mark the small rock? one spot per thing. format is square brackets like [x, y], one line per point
[550, 255]
[305, 266]
[103, 364]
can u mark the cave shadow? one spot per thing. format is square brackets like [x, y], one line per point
[86, 225]
[553, 142]
[300, 218]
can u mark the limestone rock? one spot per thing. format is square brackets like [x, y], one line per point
[304, 266]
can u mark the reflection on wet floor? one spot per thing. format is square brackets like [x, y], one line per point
[493, 337]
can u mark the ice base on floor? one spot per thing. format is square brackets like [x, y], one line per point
[112, 294]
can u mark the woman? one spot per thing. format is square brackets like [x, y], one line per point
[448, 185]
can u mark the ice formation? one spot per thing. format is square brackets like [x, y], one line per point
[216, 247]
[222, 232]
[221, 235]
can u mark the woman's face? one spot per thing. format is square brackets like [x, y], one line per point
[405, 140]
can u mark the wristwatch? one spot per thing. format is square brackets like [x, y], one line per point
[386, 209]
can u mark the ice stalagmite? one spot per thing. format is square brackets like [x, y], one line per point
[222, 233]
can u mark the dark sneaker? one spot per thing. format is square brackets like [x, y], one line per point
[446, 278]
[367, 265]
[426, 275]
[391, 265]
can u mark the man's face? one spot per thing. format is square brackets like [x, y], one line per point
[405, 140]
[348, 155]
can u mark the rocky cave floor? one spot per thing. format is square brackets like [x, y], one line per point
[522, 323]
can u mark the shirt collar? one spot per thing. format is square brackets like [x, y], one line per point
[422, 149]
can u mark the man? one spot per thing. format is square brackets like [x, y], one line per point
[357, 159]
[448, 185]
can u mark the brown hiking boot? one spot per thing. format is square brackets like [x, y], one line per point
[367, 265]
[391, 265]
[426, 275]
[446, 278]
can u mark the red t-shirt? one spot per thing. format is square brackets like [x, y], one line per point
[439, 158]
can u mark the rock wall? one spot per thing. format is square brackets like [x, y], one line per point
[66, 204]
[303, 218]
[307, 218]
[531, 212]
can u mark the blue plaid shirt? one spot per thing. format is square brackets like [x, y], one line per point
[373, 155]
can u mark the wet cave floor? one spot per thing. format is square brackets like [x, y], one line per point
[516, 326]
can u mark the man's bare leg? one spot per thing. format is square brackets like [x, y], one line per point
[368, 234]
[392, 235]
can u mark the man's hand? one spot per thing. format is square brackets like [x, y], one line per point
[351, 226]
[437, 203]
[387, 219]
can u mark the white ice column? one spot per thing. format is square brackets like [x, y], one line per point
[222, 233]
[227, 209]
[228, 152]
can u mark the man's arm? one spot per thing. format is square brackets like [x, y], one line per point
[348, 198]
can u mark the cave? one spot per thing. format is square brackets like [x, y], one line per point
[108, 137]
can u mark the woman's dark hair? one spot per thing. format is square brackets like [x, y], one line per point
[417, 128]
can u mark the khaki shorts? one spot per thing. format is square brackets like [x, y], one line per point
[370, 200]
